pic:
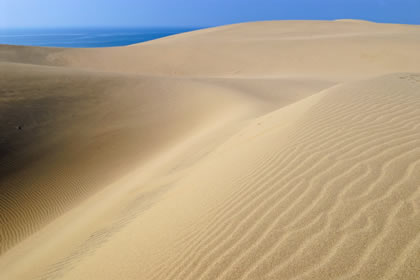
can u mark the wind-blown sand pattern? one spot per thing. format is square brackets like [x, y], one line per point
[269, 150]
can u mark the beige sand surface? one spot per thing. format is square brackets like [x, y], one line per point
[268, 150]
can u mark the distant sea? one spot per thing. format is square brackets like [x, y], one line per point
[84, 37]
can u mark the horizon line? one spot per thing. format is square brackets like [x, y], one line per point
[192, 26]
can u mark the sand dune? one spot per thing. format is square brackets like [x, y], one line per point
[320, 49]
[272, 150]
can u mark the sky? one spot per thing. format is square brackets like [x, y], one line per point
[196, 13]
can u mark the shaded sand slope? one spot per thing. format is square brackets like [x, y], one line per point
[24, 54]
[326, 188]
[67, 133]
[290, 48]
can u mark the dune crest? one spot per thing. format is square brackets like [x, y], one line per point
[354, 20]
[271, 150]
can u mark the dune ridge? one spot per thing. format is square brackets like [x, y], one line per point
[110, 129]
[267, 150]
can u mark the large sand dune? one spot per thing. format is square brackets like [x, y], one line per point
[269, 150]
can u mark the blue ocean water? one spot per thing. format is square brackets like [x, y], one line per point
[85, 37]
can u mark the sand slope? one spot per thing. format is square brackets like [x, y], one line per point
[244, 152]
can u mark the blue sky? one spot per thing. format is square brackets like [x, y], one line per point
[196, 13]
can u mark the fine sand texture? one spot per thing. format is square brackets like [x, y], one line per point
[266, 150]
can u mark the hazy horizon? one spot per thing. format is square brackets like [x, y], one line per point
[86, 27]
[189, 13]
[89, 37]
